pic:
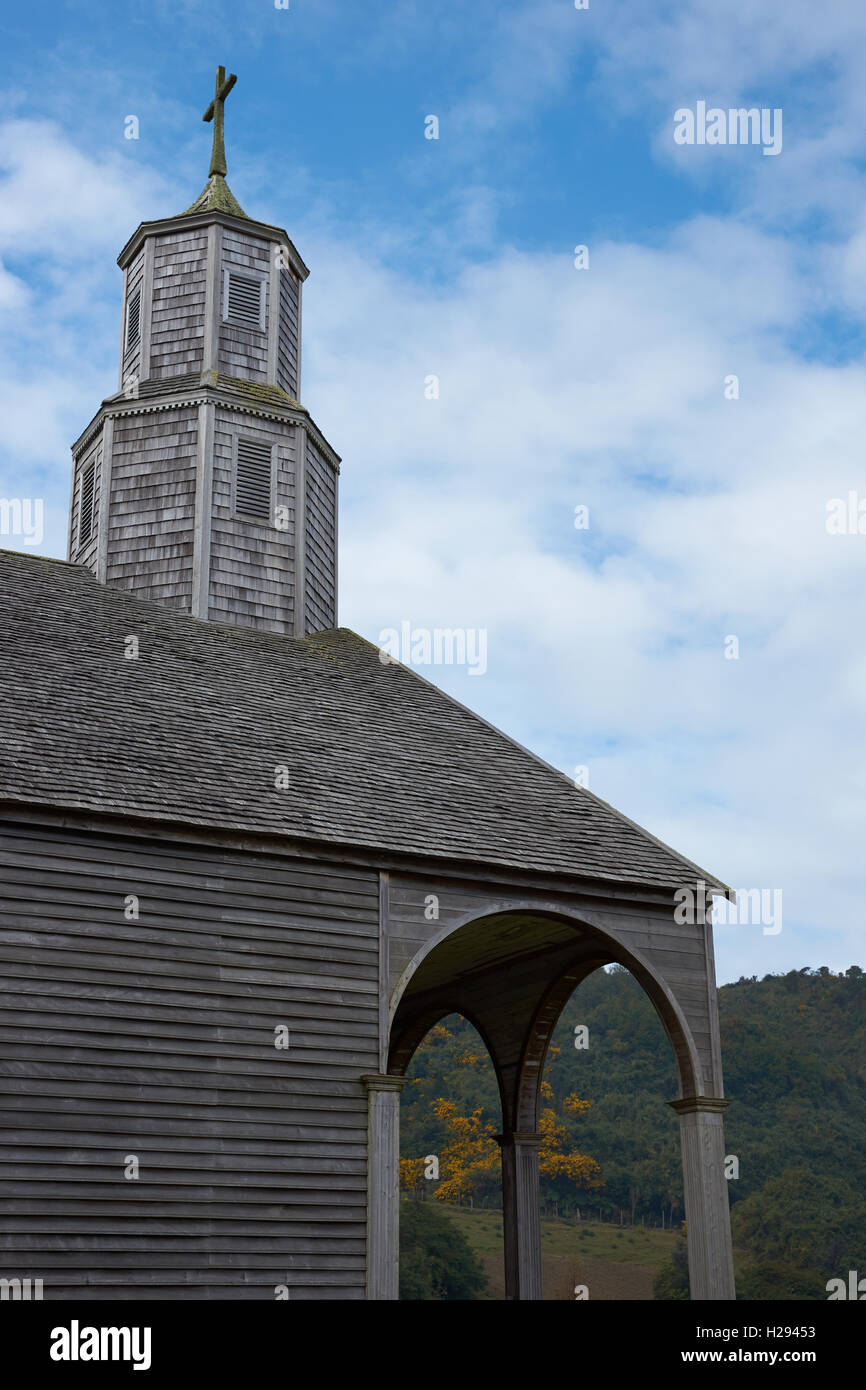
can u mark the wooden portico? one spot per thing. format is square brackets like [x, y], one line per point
[509, 962]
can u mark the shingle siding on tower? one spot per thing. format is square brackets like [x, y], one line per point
[192, 386]
[287, 361]
[155, 1038]
[321, 542]
[131, 356]
[243, 352]
[153, 478]
[252, 564]
[178, 305]
[86, 554]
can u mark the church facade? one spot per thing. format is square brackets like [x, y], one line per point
[247, 864]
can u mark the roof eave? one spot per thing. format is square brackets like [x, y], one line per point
[449, 863]
[297, 414]
[204, 219]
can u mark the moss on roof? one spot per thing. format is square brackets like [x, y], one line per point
[216, 196]
[275, 395]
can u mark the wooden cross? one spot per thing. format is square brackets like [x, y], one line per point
[215, 113]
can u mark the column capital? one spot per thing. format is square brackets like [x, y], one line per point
[380, 1081]
[520, 1138]
[700, 1105]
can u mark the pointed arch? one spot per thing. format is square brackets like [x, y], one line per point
[563, 948]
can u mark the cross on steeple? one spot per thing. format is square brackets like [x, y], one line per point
[215, 113]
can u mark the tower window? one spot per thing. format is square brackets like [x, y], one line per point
[86, 503]
[253, 479]
[133, 320]
[244, 301]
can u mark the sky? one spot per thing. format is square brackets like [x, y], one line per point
[695, 379]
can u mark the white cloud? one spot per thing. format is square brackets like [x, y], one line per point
[708, 518]
[14, 292]
[64, 216]
[60, 203]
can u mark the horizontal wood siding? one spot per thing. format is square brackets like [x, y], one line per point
[321, 538]
[155, 1038]
[179, 285]
[150, 536]
[252, 563]
[287, 357]
[243, 352]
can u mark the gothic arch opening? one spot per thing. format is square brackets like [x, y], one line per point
[450, 1115]
[610, 1072]
[513, 973]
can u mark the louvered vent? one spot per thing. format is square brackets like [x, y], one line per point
[85, 503]
[133, 320]
[244, 300]
[253, 479]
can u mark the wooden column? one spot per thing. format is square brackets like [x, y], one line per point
[212, 301]
[104, 516]
[203, 512]
[383, 1185]
[146, 312]
[123, 308]
[273, 309]
[708, 1222]
[300, 586]
[521, 1217]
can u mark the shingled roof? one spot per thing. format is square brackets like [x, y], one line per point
[193, 729]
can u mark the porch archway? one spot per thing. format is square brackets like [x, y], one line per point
[511, 972]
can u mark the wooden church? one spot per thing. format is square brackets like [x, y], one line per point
[247, 864]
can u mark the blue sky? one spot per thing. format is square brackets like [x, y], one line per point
[558, 387]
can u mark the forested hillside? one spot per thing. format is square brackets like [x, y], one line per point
[794, 1049]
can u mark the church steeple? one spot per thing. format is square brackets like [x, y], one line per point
[203, 483]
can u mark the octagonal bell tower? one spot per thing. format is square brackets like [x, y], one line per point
[203, 484]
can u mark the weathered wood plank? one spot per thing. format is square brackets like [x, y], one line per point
[257, 1155]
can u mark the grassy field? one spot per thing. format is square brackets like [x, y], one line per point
[614, 1262]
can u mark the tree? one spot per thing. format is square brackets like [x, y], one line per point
[562, 1169]
[469, 1163]
[773, 1281]
[806, 1221]
[436, 1262]
[798, 1075]
[672, 1280]
[412, 1174]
